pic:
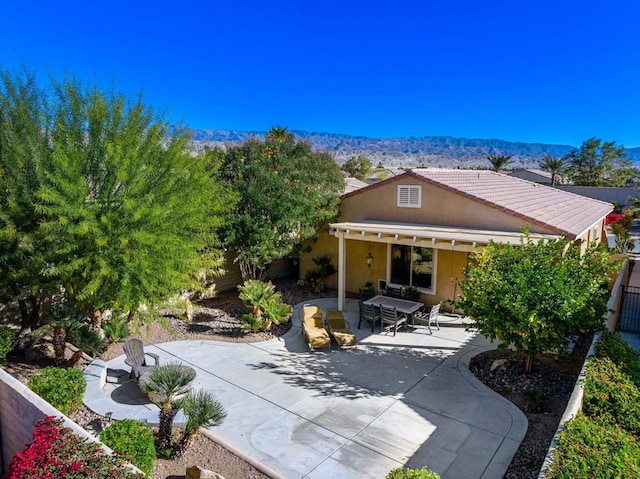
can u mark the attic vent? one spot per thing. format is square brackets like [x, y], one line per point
[409, 196]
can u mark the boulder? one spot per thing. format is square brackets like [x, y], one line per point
[196, 472]
[499, 364]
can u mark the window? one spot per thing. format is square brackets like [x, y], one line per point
[409, 196]
[413, 266]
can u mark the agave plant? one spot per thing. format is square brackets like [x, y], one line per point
[201, 410]
[168, 382]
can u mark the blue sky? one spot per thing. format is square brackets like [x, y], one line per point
[536, 71]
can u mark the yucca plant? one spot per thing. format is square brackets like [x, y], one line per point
[168, 382]
[201, 410]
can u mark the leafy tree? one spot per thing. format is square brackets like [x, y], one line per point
[598, 163]
[100, 200]
[24, 129]
[358, 168]
[499, 162]
[534, 296]
[555, 166]
[286, 192]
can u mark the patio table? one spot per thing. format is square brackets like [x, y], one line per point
[403, 306]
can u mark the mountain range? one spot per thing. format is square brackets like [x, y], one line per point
[407, 152]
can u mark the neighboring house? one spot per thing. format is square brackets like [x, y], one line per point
[536, 176]
[618, 195]
[418, 228]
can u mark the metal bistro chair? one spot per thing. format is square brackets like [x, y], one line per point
[368, 312]
[430, 317]
[391, 318]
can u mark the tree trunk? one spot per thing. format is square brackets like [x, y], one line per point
[528, 363]
[59, 344]
[185, 442]
[165, 426]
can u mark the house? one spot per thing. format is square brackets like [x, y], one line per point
[531, 174]
[418, 228]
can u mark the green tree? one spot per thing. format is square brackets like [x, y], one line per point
[535, 295]
[286, 192]
[24, 128]
[358, 168]
[117, 212]
[555, 166]
[598, 163]
[499, 162]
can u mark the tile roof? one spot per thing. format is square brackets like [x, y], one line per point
[566, 213]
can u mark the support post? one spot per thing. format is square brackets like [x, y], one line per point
[342, 265]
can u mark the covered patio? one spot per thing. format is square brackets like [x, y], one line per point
[447, 249]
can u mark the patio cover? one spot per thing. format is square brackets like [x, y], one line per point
[438, 237]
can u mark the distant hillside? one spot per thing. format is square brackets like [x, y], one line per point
[430, 151]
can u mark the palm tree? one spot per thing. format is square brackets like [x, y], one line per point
[498, 162]
[168, 382]
[201, 410]
[555, 166]
[263, 300]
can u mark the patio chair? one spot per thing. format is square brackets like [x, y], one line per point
[339, 329]
[368, 312]
[313, 329]
[412, 294]
[366, 293]
[136, 358]
[431, 316]
[394, 291]
[390, 317]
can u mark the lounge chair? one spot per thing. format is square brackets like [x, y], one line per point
[339, 329]
[136, 357]
[313, 329]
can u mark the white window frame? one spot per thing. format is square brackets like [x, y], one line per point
[409, 196]
[434, 268]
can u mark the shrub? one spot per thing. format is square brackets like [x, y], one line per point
[62, 388]
[7, 335]
[86, 340]
[266, 305]
[134, 441]
[612, 346]
[611, 396]
[589, 448]
[408, 473]
[57, 452]
[117, 328]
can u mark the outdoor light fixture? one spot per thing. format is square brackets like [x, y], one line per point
[369, 257]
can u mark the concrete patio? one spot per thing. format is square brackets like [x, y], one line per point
[358, 413]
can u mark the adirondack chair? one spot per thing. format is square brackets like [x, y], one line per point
[134, 350]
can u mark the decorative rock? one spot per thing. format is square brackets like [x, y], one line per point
[499, 364]
[196, 472]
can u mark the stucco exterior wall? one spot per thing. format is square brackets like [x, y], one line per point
[439, 207]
